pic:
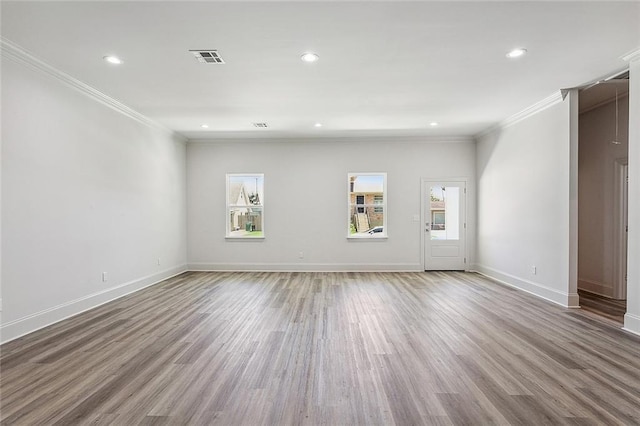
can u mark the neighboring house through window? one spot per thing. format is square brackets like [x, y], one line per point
[367, 205]
[245, 206]
[437, 215]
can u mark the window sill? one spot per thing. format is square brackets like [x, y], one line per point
[244, 238]
[368, 238]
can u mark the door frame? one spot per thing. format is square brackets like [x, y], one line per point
[424, 211]
[620, 214]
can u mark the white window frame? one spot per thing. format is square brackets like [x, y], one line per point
[230, 206]
[373, 205]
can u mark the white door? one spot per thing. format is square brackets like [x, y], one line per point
[444, 218]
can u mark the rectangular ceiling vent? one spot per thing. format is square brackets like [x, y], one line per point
[260, 125]
[208, 56]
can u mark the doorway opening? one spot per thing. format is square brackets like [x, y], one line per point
[603, 126]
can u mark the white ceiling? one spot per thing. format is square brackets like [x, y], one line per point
[385, 68]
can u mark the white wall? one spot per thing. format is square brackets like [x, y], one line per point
[596, 199]
[632, 317]
[305, 201]
[523, 181]
[85, 190]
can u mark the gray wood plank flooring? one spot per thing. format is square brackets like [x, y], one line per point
[257, 348]
[611, 309]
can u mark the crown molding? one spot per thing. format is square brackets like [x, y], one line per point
[10, 50]
[632, 56]
[280, 139]
[547, 102]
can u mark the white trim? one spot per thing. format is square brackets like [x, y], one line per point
[367, 238]
[25, 325]
[552, 295]
[571, 288]
[620, 212]
[547, 102]
[632, 56]
[632, 323]
[17, 54]
[241, 137]
[305, 267]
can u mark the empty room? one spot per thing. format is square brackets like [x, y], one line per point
[320, 212]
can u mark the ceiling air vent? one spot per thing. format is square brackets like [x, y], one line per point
[260, 125]
[208, 56]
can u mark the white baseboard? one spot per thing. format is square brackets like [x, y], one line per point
[568, 300]
[307, 267]
[17, 328]
[632, 323]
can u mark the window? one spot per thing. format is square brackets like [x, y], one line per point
[437, 220]
[444, 206]
[378, 200]
[245, 206]
[367, 205]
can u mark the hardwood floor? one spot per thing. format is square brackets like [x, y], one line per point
[611, 309]
[326, 349]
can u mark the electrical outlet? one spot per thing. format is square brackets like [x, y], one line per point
[158, 261]
[301, 255]
[104, 277]
[534, 270]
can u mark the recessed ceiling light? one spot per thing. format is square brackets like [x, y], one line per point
[433, 124]
[204, 126]
[309, 57]
[318, 125]
[516, 53]
[112, 59]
